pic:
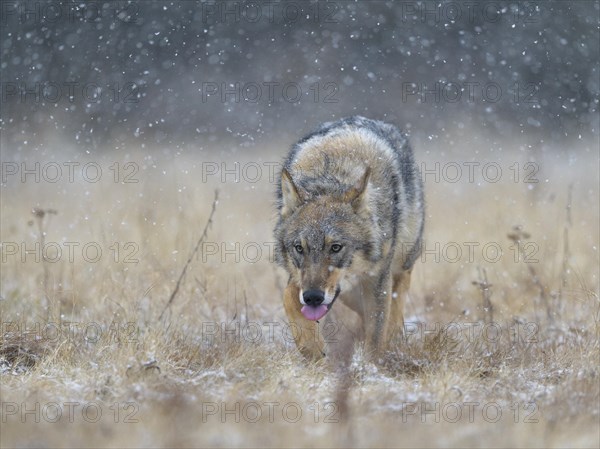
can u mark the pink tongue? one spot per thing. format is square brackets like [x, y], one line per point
[314, 313]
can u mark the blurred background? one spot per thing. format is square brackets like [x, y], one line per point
[96, 74]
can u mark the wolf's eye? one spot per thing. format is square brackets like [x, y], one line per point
[298, 249]
[336, 248]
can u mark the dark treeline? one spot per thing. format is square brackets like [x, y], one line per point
[181, 71]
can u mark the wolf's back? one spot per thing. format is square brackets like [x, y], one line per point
[395, 138]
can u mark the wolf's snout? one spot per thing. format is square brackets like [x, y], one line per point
[313, 308]
[313, 297]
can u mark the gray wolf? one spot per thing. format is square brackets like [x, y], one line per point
[350, 224]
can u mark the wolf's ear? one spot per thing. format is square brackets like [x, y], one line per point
[356, 193]
[290, 195]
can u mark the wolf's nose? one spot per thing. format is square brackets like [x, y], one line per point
[313, 297]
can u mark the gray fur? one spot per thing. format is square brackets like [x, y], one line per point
[399, 183]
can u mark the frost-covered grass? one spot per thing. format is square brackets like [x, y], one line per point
[81, 337]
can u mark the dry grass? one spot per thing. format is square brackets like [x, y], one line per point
[89, 333]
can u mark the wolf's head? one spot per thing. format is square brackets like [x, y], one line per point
[323, 238]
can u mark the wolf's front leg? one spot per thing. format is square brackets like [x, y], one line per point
[376, 317]
[401, 283]
[306, 333]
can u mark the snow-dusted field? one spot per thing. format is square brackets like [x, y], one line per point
[85, 360]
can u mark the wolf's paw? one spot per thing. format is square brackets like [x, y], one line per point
[312, 353]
